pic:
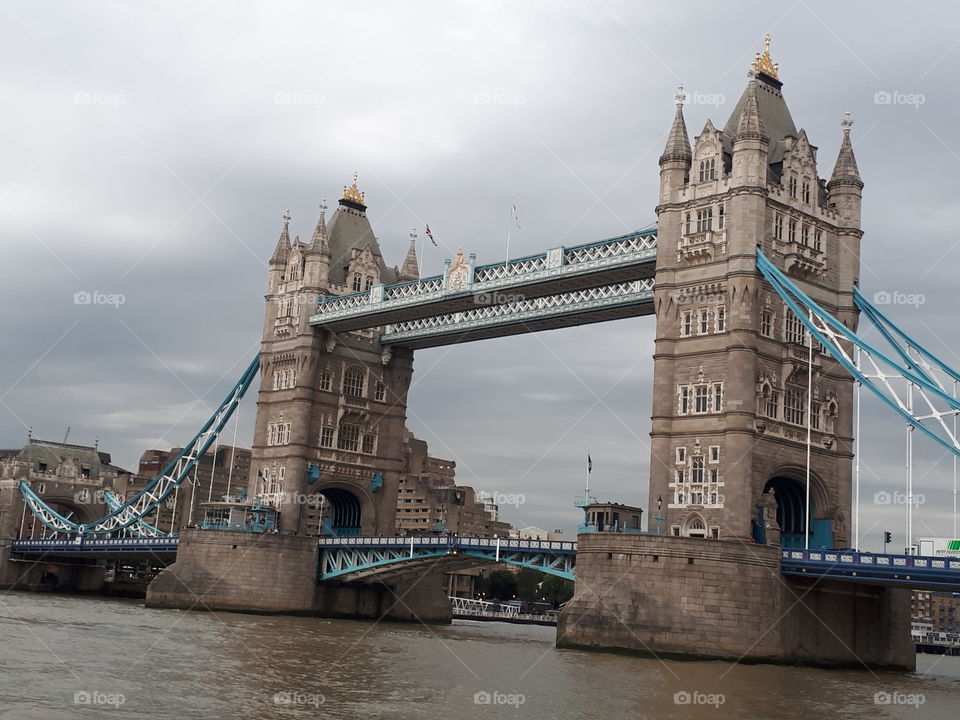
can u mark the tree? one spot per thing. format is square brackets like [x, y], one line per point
[499, 585]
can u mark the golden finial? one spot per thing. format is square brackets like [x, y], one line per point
[763, 63]
[352, 193]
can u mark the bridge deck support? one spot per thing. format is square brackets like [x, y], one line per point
[254, 572]
[687, 597]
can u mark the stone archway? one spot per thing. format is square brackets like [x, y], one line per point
[695, 527]
[790, 494]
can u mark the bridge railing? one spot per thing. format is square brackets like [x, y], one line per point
[452, 542]
[85, 544]
[878, 560]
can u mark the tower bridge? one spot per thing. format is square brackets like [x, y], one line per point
[751, 276]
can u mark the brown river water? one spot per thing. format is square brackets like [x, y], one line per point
[81, 657]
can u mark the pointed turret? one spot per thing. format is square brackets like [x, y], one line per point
[410, 270]
[282, 251]
[678, 143]
[846, 170]
[750, 124]
[320, 243]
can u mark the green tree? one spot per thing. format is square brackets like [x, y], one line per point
[556, 590]
[499, 585]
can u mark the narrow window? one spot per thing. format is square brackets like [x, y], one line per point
[357, 281]
[326, 437]
[818, 240]
[792, 231]
[704, 322]
[778, 226]
[684, 399]
[721, 323]
[721, 217]
[686, 327]
[380, 392]
[714, 453]
[367, 444]
[766, 323]
[701, 399]
[681, 454]
[718, 397]
[325, 380]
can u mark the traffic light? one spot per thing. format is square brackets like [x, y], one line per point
[887, 537]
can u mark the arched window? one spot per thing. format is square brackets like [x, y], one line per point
[353, 382]
[369, 283]
[357, 281]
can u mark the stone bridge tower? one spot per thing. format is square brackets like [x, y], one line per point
[729, 426]
[329, 437]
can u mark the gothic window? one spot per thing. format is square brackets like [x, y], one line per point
[684, 399]
[805, 234]
[696, 472]
[717, 397]
[369, 283]
[766, 323]
[708, 169]
[326, 380]
[326, 437]
[721, 216]
[347, 437]
[704, 323]
[367, 446]
[688, 225]
[278, 433]
[793, 330]
[815, 415]
[721, 319]
[701, 399]
[686, 323]
[357, 281]
[771, 406]
[681, 455]
[793, 185]
[818, 240]
[353, 382]
[705, 219]
[778, 226]
[806, 190]
[380, 392]
[794, 410]
[714, 453]
[792, 230]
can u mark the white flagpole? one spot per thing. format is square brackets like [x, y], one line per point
[858, 447]
[806, 514]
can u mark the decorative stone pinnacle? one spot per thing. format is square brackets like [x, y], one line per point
[286, 216]
[763, 63]
[679, 97]
[847, 122]
[323, 205]
[413, 235]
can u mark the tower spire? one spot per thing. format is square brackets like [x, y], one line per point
[410, 270]
[846, 172]
[750, 124]
[320, 242]
[282, 251]
[678, 143]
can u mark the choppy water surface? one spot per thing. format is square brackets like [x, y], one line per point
[68, 657]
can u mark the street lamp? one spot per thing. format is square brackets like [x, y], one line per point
[657, 518]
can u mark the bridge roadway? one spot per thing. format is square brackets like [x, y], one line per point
[563, 286]
[385, 558]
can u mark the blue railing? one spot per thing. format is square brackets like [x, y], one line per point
[912, 570]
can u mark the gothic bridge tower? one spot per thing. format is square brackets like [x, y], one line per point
[729, 425]
[328, 443]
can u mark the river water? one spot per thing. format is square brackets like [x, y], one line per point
[81, 657]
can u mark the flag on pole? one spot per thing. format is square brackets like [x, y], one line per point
[430, 235]
[589, 463]
[516, 215]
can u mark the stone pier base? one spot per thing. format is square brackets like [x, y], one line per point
[252, 572]
[686, 597]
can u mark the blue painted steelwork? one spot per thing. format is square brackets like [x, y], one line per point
[140, 528]
[146, 501]
[839, 341]
[94, 545]
[352, 559]
[909, 570]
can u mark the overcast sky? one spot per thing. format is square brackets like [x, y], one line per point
[149, 152]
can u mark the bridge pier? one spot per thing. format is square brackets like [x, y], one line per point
[260, 573]
[688, 597]
[51, 574]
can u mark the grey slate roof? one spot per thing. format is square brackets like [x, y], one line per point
[348, 229]
[774, 114]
